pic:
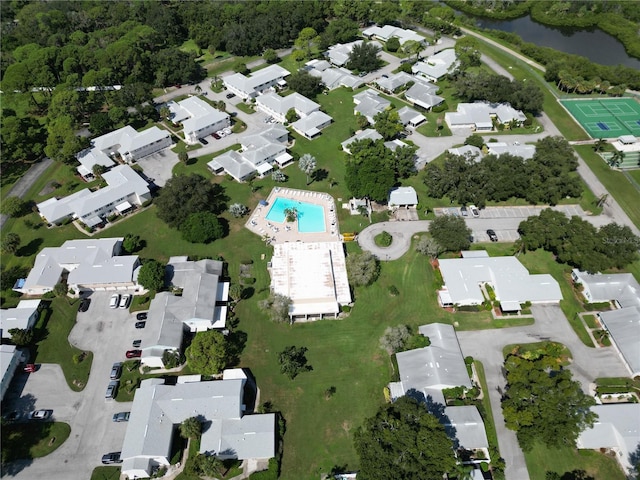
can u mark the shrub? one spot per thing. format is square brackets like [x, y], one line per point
[393, 291]
[468, 360]
[443, 107]
[246, 261]
[345, 308]
[383, 239]
[147, 203]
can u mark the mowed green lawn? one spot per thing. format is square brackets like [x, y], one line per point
[563, 460]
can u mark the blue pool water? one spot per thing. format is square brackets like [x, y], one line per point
[310, 216]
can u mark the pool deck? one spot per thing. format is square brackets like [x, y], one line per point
[283, 232]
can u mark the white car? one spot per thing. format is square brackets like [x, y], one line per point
[114, 301]
[474, 211]
[124, 301]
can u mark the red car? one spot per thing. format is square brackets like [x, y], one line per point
[134, 353]
[30, 368]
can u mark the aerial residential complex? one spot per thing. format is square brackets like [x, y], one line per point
[198, 118]
[261, 81]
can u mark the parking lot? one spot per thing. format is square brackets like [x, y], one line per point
[108, 333]
[513, 212]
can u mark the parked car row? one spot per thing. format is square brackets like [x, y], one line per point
[119, 301]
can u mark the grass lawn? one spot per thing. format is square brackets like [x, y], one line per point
[130, 380]
[590, 320]
[33, 439]
[243, 107]
[106, 473]
[199, 164]
[51, 334]
[615, 182]
[563, 460]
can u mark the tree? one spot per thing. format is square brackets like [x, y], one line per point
[241, 67]
[543, 403]
[291, 214]
[202, 227]
[21, 336]
[277, 306]
[450, 232]
[599, 145]
[362, 268]
[307, 164]
[293, 361]
[60, 289]
[208, 353]
[270, 56]
[151, 275]
[616, 159]
[235, 292]
[412, 47]
[165, 113]
[428, 246]
[393, 44]
[132, 243]
[395, 338]
[403, 440]
[183, 157]
[387, 123]
[13, 206]
[100, 123]
[474, 140]
[364, 57]
[306, 38]
[278, 176]
[361, 121]
[10, 243]
[9, 276]
[21, 138]
[291, 116]
[98, 170]
[304, 83]
[186, 194]
[237, 210]
[191, 428]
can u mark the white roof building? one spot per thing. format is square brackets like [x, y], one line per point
[386, 32]
[410, 117]
[395, 81]
[126, 142]
[273, 104]
[623, 324]
[257, 156]
[403, 197]
[198, 118]
[124, 189]
[465, 426]
[436, 66]
[479, 115]
[617, 428]
[200, 307]
[367, 134]
[91, 264]
[23, 317]
[261, 81]
[516, 149]
[10, 358]
[228, 432]
[311, 125]
[511, 282]
[369, 103]
[339, 54]
[423, 95]
[469, 151]
[313, 275]
[333, 77]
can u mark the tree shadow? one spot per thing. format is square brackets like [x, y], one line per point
[248, 292]
[30, 248]
[319, 175]
[191, 161]
[236, 342]
[576, 475]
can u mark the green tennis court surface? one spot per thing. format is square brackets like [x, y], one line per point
[606, 118]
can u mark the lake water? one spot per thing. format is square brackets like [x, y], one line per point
[594, 44]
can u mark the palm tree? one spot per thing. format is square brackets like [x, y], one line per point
[165, 113]
[616, 159]
[291, 214]
[599, 145]
[198, 88]
[307, 164]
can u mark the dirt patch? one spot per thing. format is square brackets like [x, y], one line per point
[346, 426]
[48, 188]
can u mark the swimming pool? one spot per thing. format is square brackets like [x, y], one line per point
[310, 216]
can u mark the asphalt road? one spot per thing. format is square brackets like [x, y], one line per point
[550, 324]
[108, 333]
[23, 185]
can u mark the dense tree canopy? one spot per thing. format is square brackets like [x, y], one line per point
[546, 178]
[403, 440]
[578, 243]
[186, 194]
[151, 275]
[543, 403]
[362, 268]
[525, 96]
[364, 57]
[304, 83]
[208, 353]
[202, 227]
[450, 232]
[293, 361]
[387, 123]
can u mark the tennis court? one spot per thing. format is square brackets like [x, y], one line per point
[606, 118]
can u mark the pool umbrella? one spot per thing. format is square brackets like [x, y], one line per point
[263, 202]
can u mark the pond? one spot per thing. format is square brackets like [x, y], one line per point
[596, 45]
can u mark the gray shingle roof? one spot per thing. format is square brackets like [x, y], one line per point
[436, 66]
[403, 196]
[465, 425]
